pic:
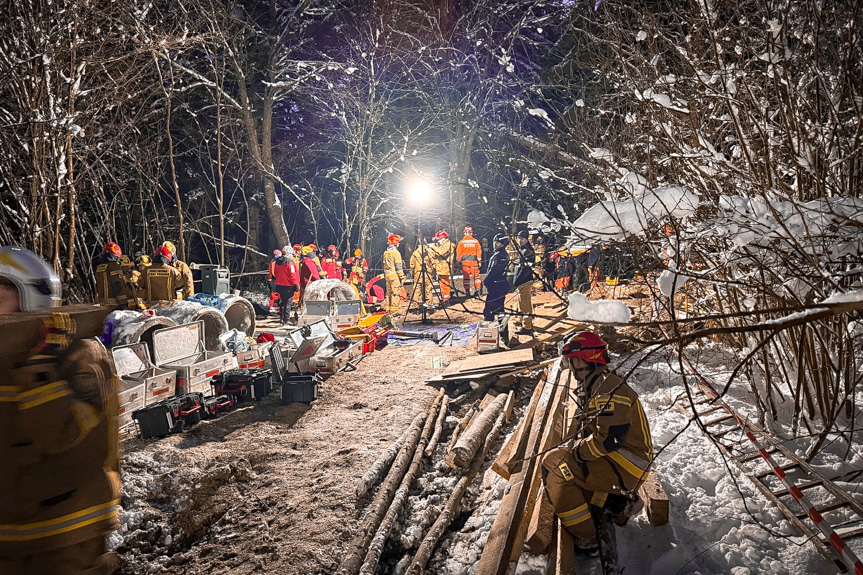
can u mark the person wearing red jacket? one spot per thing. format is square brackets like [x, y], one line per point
[287, 281]
[308, 270]
[331, 263]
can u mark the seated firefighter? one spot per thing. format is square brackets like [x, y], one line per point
[59, 481]
[607, 447]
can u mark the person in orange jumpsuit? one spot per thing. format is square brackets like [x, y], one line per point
[469, 253]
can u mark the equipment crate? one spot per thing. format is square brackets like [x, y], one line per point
[159, 419]
[241, 383]
[181, 348]
[300, 388]
[134, 367]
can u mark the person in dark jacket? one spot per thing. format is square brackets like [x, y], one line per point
[524, 281]
[495, 278]
[286, 277]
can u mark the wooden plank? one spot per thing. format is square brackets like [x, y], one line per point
[655, 500]
[503, 465]
[498, 547]
[538, 522]
[507, 408]
[564, 552]
[492, 360]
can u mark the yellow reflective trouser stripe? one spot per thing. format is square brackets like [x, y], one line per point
[58, 525]
[9, 392]
[598, 498]
[633, 464]
[43, 394]
[575, 516]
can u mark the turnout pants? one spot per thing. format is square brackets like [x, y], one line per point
[445, 289]
[286, 298]
[394, 288]
[419, 288]
[525, 304]
[85, 558]
[561, 284]
[470, 276]
[572, 486]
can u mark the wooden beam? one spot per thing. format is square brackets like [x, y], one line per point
[564, 552]
[655, 500]
[504, 463]
[498, 548]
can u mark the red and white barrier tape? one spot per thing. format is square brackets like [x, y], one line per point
[823, 525]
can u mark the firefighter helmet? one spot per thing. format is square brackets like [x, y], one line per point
[298, 247]
[587, 346]
[306, 250]
[314, 246]
[277, 253]
[164, 254]
[358, 252]
[441, 234]
[331, 248]
[143, 260]
[394, 239]
[112, 249]
[468, 231]
[171, 247]
[502, 239]
[38, 286]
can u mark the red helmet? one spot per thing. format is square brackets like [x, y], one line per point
[298, 247]
[112, 249]
[314, 246]
[394, 239]
[468, 231]
[164, 252]
[277, 253]
[586, 345]
[441, 235]
[331, 248]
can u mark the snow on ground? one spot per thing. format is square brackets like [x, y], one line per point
[598, 311]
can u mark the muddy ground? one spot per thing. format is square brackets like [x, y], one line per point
[271, 488]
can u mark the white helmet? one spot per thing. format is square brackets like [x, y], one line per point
[38, 285]
[288, 251]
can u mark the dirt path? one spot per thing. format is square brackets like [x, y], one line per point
[270, 488]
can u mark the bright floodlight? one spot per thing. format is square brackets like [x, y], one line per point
[419, 193]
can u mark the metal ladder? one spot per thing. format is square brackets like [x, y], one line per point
[788, 479]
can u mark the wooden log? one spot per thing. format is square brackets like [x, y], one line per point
[381, 465]
[655, 500]
[473, 438]
[438, 428]
[462, 425]
[378, 508]
[498, 547]
[437, 530]
[504, 463]
[376, 547]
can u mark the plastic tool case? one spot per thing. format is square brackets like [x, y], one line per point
[253, 383]
[181, 348]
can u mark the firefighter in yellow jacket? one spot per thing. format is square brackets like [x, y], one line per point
[394, 273]
[161, 280]
[442, 252]
[607, 448]
[113, 277]
[422, 282]
[188, 289]
[59, 481]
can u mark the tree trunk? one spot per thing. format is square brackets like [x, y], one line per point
[472, 439]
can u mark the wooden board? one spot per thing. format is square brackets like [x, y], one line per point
[490, 361]
[655, 500]
[564, 556]
[504, 463]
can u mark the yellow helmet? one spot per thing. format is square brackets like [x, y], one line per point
[143, 260]
[307, 250]
[171, 247]
[358, 252]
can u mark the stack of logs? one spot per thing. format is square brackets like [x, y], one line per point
[525, 519]
[402, 462]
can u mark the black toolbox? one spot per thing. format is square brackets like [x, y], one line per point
[252, 382]
[300, 387]
[160, 419]
[216, 404]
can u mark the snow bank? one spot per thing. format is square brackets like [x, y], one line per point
[600, 311]
[615, 220]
